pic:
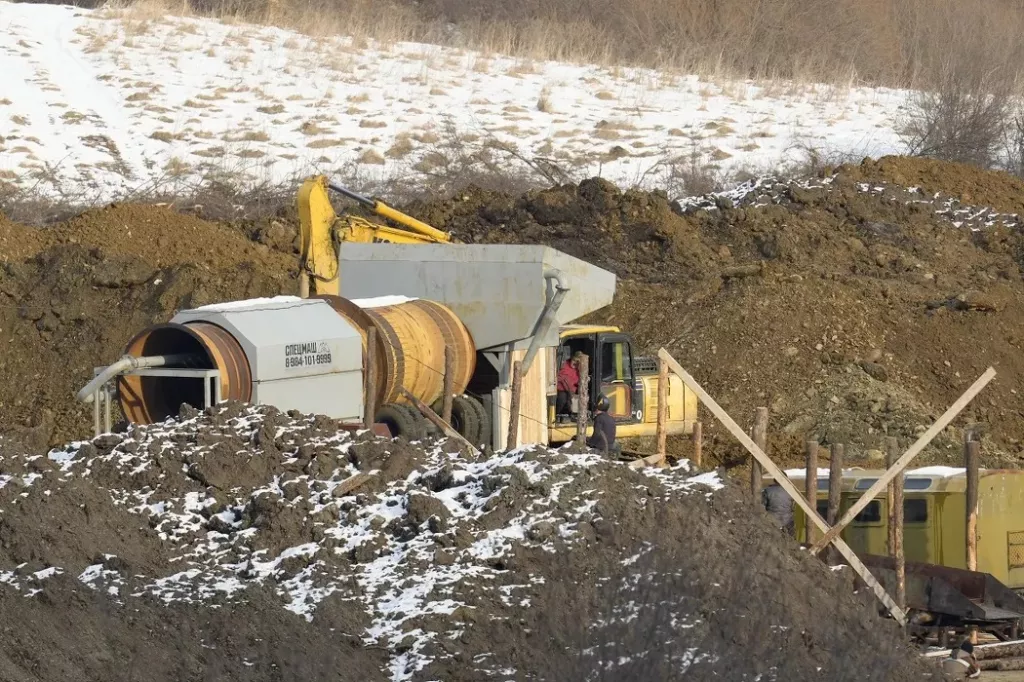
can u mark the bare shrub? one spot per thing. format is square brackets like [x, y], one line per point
[965, 119]
[686, 175]
[1015, 144]
[819, 160]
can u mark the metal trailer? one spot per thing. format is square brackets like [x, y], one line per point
[947, 603]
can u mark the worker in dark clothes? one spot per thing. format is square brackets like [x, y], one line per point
[603, 438]
[961, 664]
[779, 504]
[568, 384]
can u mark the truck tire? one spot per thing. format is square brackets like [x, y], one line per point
[465, 419]
[399, 421]
[421, 426]
[483, 421]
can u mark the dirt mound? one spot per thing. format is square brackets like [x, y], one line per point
[407, 561]
[854, 309]
[71, 308]
[969, 184]
[854, 305]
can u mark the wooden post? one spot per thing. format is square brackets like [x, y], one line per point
[898, 614]
[662, 405]
[513, 407]
[835, 486]
[370, 379]
[811, 486]
[896, 525]
[584, 395]
[913, 451]
[449, 377]
[760, 436]
[972, 449]
[698, 444]
[890, 497]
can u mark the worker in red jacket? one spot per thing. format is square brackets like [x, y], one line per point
[568, 384]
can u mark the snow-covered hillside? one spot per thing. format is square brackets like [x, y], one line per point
[99, 105]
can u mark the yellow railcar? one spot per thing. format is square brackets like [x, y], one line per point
[934, 517]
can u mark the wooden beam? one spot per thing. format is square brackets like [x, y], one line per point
[915, 449]
[811, 486]
[662, 431]
[513, 406]
[351, 483]
[780, 477]
[649, 460]
[584, 392]
[449, 377]
[438, 422]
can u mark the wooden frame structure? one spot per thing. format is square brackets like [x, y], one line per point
[831, 534]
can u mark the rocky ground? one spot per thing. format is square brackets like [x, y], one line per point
[244, 543]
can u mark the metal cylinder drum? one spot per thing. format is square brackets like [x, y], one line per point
[411, 341]
[410, 347]
[149, 399]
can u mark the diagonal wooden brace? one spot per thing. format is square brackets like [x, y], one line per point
[851, 558]
[899, 465]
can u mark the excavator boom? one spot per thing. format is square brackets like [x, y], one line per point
[321, 230]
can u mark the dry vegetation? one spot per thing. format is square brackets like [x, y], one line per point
[889, 42]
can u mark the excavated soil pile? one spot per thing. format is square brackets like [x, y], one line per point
[854, 305]
[71, 297]
[245, 543]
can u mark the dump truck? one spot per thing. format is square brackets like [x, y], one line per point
[421, 292]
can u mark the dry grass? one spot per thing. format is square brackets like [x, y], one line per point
[843, 42]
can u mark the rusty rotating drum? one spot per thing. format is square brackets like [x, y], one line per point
[411, 339]
[303, 354]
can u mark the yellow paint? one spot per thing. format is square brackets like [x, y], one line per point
[570, 331]
[321, 230]
[318, 262]
[940, 537]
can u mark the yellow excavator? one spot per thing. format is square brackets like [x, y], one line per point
[321, 230]
[630, 382]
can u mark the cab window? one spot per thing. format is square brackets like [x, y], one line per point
[615, 361]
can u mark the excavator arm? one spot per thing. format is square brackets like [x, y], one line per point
[321, 230]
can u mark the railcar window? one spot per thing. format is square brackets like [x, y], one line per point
[870, 514]
[915, 511]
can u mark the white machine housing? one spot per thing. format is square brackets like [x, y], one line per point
[302, 354]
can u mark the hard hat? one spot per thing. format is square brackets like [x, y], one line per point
[602, 403]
